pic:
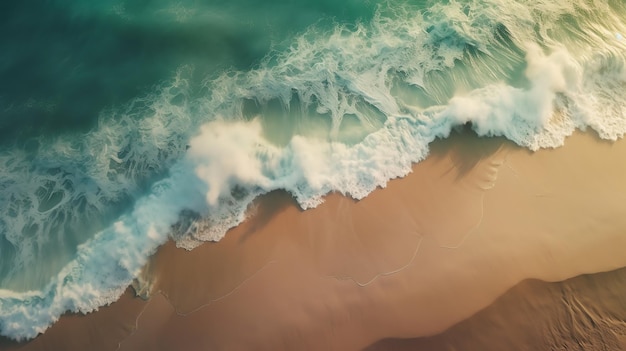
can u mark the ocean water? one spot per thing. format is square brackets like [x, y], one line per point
[123, 124]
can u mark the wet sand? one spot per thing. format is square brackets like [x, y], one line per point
[431, 251]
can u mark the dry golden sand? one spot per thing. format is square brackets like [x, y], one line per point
[475, 219]
[584, 313]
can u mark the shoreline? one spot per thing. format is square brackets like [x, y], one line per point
[472, 221]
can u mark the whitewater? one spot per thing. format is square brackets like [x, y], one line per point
[340, 106]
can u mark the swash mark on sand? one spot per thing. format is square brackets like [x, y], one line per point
[384, 274]
[178, 313]
[492, 176]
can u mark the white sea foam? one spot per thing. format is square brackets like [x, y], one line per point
[407, 78]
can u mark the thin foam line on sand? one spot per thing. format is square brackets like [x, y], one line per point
[460, 196]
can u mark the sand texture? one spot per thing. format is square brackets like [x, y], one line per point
[459, 254]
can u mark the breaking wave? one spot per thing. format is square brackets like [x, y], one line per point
[343, 109]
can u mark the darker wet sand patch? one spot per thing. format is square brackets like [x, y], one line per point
[586, 313]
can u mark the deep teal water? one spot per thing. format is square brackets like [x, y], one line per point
[123, 124]
[64, 62]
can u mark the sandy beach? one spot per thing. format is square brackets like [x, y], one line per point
[482, 247]
[582, 313]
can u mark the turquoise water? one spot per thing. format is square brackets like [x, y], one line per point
[123, 125]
